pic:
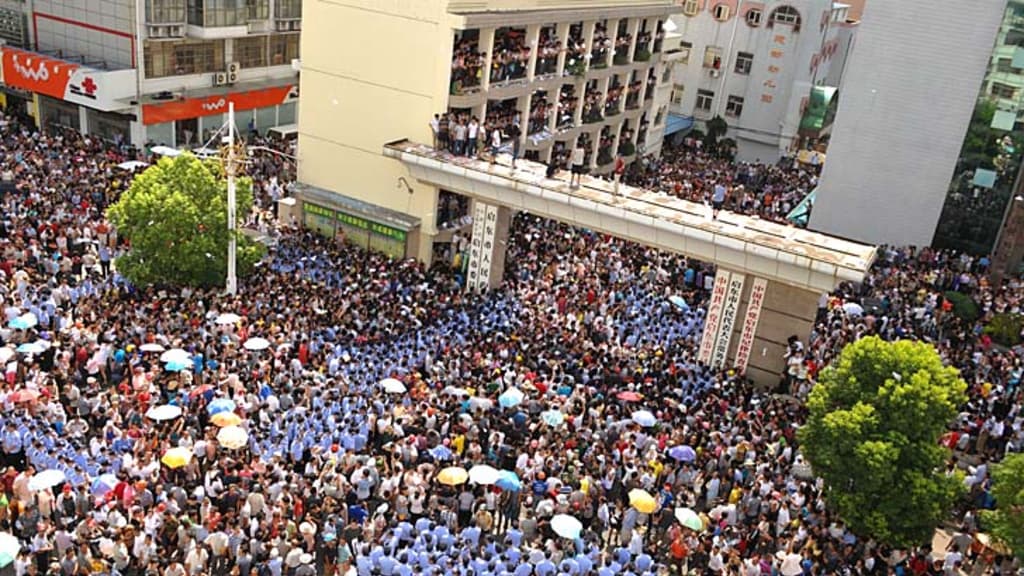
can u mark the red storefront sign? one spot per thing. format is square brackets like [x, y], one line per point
[160, 112]
[37, 73]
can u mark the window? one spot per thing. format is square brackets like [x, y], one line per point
[713, 57]
[165, 11]
[283, 49]
[786, 15]
[288, 9]
[721, 12]
[677, 94]
[258, 9]
[685, 48]
[251, 52]
[691, 7]
[1000, 90]
[734, 105]
[163, 59]
[215, 13]
[666, 75]
[1005, 65]
[744, 62]
[705, 99]
[754, 17]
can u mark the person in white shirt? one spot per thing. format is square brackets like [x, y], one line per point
[473, 131]
[576, 160]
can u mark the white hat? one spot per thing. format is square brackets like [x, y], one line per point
[306, 558]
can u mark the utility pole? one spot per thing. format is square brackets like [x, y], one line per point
[230, 167]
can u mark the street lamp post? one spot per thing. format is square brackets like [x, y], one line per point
[231, 167]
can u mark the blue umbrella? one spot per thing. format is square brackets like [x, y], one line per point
[31, 348]
[24, 322]
[678, 302]
[508, 481]
[220, 405]
[103, 484]
[511, 397]
[441, 453]
[177, 365]
[552, 417]
[682, 453]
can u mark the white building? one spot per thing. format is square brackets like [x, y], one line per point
[902, 117]
[755, 64]
[152, 70]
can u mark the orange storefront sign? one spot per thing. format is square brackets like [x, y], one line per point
[158, 113]
[37, 73]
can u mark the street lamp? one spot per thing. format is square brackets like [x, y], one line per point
[231, 167]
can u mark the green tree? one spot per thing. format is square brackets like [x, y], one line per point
[872, 434]
[1006, 522]
[717, 127]
[175, 217]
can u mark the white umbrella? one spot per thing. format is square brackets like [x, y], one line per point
[165, 151]
[644, 418]
[165, 412]
[151, 347]
[853, 309]
[392, 386]
[256, 344]
[482, 403]
[9, 548]
[483, 475]
[566, 526]
[45, 479]
[233, 437]
[6, 353]
[132, 165]
[227, 318]
[790, 563]
[175, 354]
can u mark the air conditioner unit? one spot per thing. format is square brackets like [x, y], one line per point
[220, 79]
[157, 32]
[233, 68]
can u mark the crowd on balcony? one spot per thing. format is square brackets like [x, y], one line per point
[592, 104]
[467, 66]
[600, 46]
[769, 191]
[540, 113]
[567, 102]
[613, 99]
[511, 56]
[549, 47]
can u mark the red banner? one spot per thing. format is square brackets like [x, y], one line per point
[158, 113]
[36, 73]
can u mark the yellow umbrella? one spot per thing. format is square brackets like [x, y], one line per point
[453, 476]
[177, 457]
[223, 419]
[642, 501]
[232, 437]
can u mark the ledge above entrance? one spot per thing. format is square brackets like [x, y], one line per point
[784, 254]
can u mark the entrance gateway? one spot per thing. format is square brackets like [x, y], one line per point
[769, 278]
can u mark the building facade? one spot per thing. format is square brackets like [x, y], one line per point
[770, 69]
[897, 141]
[160, 71]
[588, 72]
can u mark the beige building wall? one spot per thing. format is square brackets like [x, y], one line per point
[375, 71]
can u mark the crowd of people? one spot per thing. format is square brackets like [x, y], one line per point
[769, 191]
[347, 413]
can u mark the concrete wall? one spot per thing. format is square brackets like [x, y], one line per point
[911, 83]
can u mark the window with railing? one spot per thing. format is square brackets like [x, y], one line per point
[567, 101]
[549, 46]
[288, 9]
[161, 59]
[257, 9]
[283, 48]
[467, 61]
[251, 52]
[600, 45]
[165, 11]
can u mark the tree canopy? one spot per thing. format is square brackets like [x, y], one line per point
[876, 416]
[1006, 522]
[175, 217]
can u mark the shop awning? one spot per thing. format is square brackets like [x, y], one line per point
[352, 205]
[817, 112]
[677, 123]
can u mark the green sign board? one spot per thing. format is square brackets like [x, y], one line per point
[817, 108]
[357, 222]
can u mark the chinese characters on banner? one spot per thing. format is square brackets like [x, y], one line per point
[711, 321]
[753, 314]
[730, 310]
[476, 246]
[481, 246]
[487, 247]
[776, 55]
